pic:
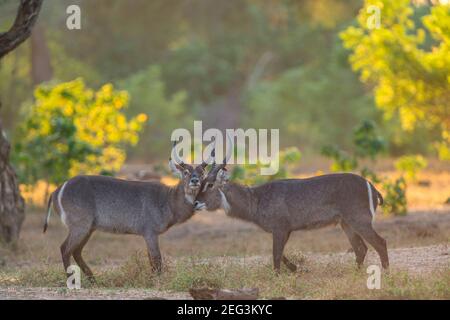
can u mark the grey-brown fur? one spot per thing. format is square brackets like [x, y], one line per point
[283, 206]
[89, 203]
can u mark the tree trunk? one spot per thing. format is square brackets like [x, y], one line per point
[11, 203]
[20, 31]
[41, 69]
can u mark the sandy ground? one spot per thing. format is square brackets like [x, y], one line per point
[412, 260]
[415, 260]
[21, 293]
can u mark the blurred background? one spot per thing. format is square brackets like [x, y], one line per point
[353, 85]
[268, 64]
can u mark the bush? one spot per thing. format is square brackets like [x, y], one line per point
[342, 161]
[395, 197]
[367, 142]
[411, 165]
[72, 130]
[168, 112]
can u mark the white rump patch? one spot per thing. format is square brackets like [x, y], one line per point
[63, 213]
[369, 190]
[225, 204]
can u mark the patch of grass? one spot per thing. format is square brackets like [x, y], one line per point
[186, 275]
[48, 276]
[403, 285]
[135, 273]
[315, 280]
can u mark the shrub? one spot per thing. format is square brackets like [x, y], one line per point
[395, 197]
[71, 129]
[367, 142]
[411, 165]
[342, 161]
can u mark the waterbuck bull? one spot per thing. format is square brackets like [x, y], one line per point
[89, 203]
[283, 206]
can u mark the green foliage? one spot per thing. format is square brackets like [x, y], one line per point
[311, 105]
[274, 64]
[148, 95]
[371, 175]
[411, 165]
[395, 197]
[204, 70]
[342, 161]
[233, 51]
[406, 63]
[367, 142]
[71, 130]
[251, 174]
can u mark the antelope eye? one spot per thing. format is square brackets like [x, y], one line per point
[186, 172]
[210, 185]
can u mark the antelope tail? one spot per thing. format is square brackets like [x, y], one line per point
[380, 198]
[49, 211]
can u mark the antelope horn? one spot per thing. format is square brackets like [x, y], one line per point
[215, 168]
[229, 150]
[175, 155]
[211, 156]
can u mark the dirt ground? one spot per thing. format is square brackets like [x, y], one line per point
[418, 243]
[413, 260]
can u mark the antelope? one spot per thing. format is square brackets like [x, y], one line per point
[89, 203]
[282, 206]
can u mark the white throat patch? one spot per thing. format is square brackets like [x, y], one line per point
[225, 204]
[189, 198]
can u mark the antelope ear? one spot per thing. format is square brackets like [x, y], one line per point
[222, 177]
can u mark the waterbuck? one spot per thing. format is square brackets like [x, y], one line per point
[283, 206]
[89, 203]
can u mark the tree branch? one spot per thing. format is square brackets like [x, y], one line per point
[21, 29]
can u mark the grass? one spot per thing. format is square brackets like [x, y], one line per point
[314, 281]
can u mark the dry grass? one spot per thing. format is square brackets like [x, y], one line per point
[316, 281]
